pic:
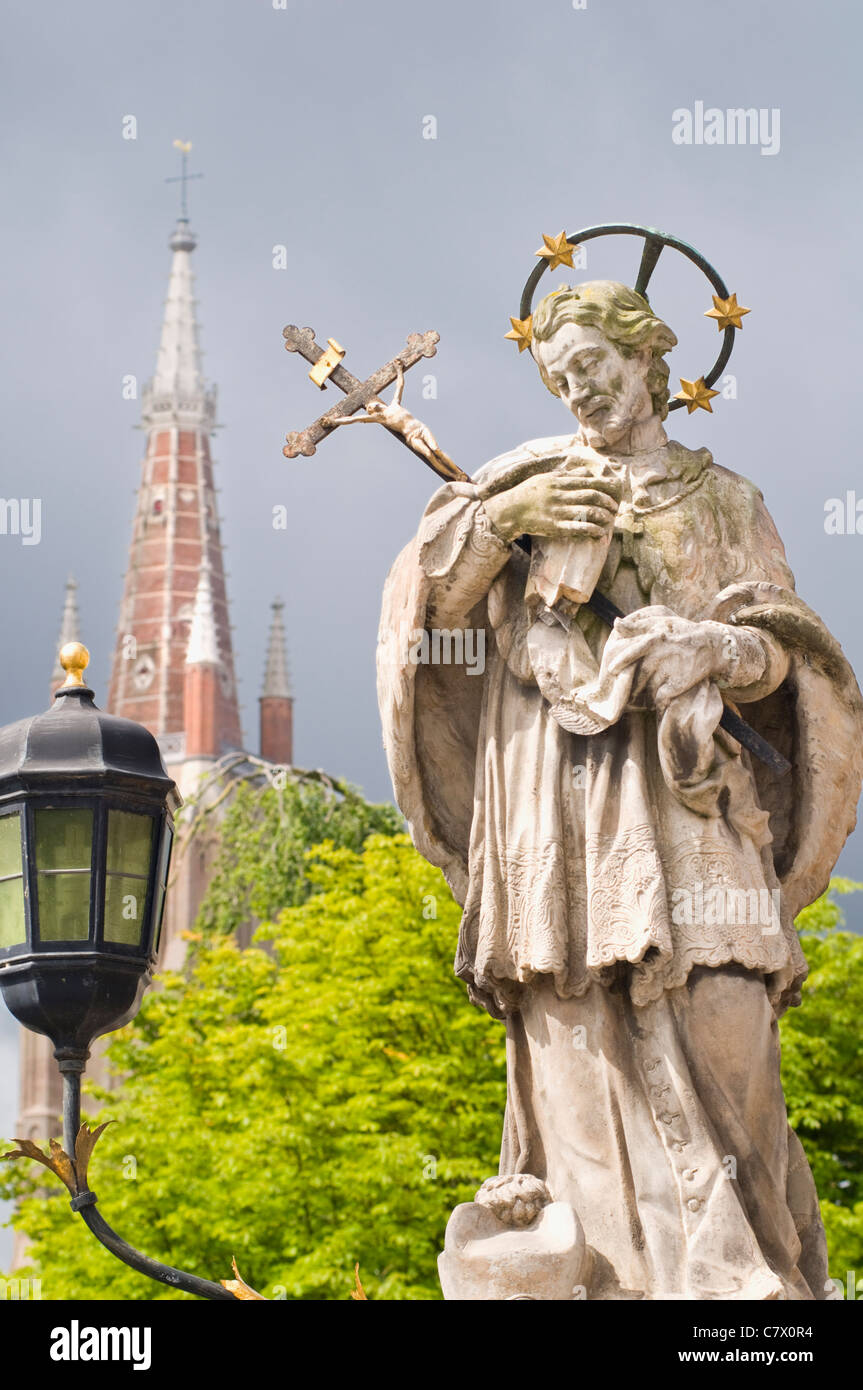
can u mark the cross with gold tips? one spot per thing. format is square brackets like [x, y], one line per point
[363, 395]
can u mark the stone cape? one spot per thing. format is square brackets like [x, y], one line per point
[564, 886]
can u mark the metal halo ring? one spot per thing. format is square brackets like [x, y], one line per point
[654, 241]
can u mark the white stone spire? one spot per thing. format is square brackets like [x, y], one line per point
[69, 630]
[277, 680]
[177, 394]
[203, 648]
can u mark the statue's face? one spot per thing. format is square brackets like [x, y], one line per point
[606, 392]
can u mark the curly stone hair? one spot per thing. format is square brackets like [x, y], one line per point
[625, 318]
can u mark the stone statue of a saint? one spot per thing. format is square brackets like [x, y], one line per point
[629, 874]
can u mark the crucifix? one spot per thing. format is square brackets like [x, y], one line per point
[185, 147]
[363, 395]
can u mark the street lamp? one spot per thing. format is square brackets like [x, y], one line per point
[86, 826]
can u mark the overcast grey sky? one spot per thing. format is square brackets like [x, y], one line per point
[308, 124]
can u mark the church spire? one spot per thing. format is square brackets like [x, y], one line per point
[176, 538]
[177, 391]
[177, 387]
[69, 631]
[277, 705]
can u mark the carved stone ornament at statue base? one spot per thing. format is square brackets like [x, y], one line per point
[522, 1247]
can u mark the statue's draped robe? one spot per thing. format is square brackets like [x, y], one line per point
[643, 1073]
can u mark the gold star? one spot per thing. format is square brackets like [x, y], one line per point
[727, 312]
[557, 251]
[520, 332]
[696, 394]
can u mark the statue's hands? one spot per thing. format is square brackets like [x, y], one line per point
[555, 504]
[674, 654]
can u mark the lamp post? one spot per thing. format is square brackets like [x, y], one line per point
[86, 827]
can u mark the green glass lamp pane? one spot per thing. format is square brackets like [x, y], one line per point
[64, 839]
[10, 845]
[13, 930]
[130, 840]
[125, 904]
[64, 906]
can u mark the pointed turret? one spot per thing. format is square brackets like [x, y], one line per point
[203, 648]
[201, 694]
[177, 390]
[175, 537]
[277, 680]
[69, 631]
[276, 702]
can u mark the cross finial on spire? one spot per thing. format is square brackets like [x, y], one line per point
[185, 147]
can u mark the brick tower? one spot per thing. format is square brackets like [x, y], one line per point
[175, 536]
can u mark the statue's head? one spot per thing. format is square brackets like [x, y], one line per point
[600, 348]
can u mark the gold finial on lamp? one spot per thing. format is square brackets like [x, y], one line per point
[74, 658]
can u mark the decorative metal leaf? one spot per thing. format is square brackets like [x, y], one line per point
[239, 1288]
[359, 1292]
[85, 1143]
[57, 1160]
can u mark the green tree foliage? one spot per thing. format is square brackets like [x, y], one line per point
[822, 1071]
[264, 838]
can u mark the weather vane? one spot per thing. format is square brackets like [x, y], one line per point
[185, 148]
